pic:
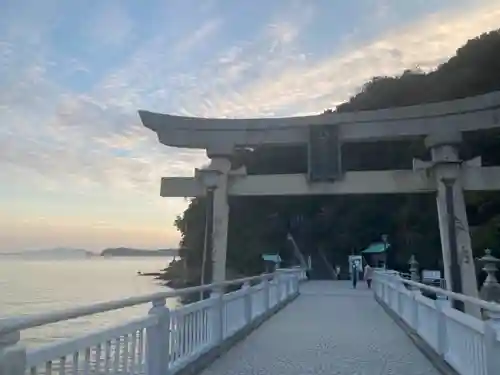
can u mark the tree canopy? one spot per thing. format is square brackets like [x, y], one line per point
[341, 225]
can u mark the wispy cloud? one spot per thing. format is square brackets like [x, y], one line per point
[199, 36]
[286, 27]
[292, 82]
[63, 137]
[110, 25]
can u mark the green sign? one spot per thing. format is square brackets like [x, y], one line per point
[324, 153]
[271, 258]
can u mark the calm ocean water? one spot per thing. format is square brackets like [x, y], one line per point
[36, 286]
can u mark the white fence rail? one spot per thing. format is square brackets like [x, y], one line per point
[469, 345]
[438, 282]
[160, 343]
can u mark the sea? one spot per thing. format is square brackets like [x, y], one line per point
[34, 286]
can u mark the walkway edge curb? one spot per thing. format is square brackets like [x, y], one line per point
[212, 354]
[437, 361]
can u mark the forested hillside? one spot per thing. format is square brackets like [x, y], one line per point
[341, 225]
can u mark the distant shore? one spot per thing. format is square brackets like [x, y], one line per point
[73, 253]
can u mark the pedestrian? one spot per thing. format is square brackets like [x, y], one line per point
[368, 275]
[354, 272]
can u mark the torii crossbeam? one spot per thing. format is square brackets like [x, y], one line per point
[440, 124]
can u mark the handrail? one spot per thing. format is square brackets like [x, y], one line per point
[468, 343]
[13, 324]
[441, 281]
[491, 306]
[164, 341]
[72, 345]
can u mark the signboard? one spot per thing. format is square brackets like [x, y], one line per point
[357, 260]
[324, 153]
[431, 275]
[271, 258]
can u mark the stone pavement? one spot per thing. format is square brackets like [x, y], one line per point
[330, 329]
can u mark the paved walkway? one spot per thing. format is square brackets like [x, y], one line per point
[330, 329]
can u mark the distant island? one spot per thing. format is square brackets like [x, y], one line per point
[58, 252]
[72, 253]
[128, 252]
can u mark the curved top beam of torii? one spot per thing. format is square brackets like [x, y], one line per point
[223, 135]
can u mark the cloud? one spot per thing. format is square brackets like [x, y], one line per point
[110, 147]
[110, 25]
[88, 139]
[96, 137]
[91, 142]
[29, 21]
[285, 29]
[292, 82]
[382, 9]
[88, 146]
[199, 36]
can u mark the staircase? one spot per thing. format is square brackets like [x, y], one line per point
[298, 254]
[320, 270]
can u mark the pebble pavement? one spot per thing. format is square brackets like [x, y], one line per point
[330, 329]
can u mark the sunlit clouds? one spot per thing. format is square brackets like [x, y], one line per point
[77, 167]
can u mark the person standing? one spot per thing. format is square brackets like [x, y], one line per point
[354, 274]
[368, 275]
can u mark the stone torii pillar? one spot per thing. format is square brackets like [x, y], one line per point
[215, 179]
[446, 167]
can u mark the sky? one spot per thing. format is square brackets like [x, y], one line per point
[77, 168]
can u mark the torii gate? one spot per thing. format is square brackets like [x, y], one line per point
[441, 124]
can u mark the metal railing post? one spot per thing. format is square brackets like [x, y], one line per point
[442, 344]
[289, 285]
[281, 287]
[158, 340]
[247, 300]
[296, 283]
[12, 355]
[491, 343]
[217, 317]
[265, 292]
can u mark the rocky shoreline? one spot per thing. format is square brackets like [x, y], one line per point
[177, 276]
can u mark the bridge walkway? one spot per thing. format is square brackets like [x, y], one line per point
[329, 329]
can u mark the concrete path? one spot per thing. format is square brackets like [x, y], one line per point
[330, 329]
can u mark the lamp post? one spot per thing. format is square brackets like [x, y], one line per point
[414, 274]
[384, 240]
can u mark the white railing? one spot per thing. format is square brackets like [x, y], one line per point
[468, 344]
[160, 343]
[441, 283]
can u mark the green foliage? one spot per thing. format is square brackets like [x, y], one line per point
[341, 225]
